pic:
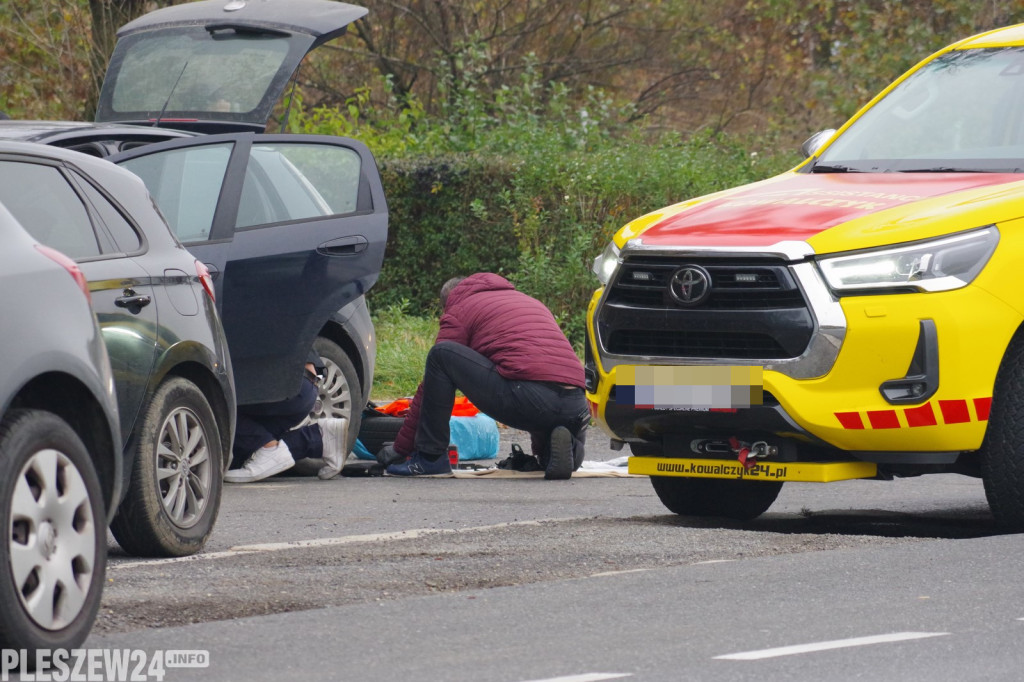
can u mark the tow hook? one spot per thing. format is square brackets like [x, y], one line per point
[710, 447]
[749, 453]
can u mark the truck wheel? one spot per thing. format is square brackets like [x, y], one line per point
[174, 494]
[54, 549]
[340, 390]
[732, 499]
[1002, 469]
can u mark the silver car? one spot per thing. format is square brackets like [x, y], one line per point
[60, 447]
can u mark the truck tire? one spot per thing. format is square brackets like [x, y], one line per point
[742, 500]
[1002, 468]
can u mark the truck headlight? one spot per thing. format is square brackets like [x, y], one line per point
[932, 265]
[605, 264]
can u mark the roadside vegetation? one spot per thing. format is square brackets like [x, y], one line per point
[531, 187]
[516, 137]
[402, 344]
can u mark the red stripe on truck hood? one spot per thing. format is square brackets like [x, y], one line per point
[802, 205]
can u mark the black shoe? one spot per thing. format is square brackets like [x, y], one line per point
[519, 461]
[560, 461]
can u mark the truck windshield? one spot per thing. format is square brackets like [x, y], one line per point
[964, 111]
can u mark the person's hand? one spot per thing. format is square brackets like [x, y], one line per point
[387, 455]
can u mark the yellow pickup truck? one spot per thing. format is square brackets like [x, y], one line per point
[856, 317]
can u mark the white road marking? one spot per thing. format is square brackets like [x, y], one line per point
[824, 646]
[640, 570]
[586, 677]
[412, 534]
[629, 570]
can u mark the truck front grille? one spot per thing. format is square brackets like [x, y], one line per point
[754, 309]
[694, 344]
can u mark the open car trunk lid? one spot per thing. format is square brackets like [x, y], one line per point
[215, 65]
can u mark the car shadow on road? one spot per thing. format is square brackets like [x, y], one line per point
[949, 523]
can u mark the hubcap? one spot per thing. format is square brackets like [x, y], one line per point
[52, 539]
[183, 467]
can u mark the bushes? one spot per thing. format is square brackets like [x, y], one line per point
[436, 231]
[540, 216]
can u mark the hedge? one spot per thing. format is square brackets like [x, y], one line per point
[540, 216]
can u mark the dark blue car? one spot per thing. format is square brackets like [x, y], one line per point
[292, 227]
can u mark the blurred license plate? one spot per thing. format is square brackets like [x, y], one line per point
[701, 387]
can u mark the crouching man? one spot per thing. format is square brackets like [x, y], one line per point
[508, 356]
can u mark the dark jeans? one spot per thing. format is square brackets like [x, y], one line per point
[259, 424]
[533, 406]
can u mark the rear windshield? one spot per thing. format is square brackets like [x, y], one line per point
[181, 72]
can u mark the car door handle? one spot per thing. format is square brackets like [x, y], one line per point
[133, 302]
[345, 246]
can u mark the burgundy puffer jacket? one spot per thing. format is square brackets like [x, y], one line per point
[514, 331]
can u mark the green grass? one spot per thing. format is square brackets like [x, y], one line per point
[402, 345]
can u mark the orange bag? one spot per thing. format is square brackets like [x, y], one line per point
[399, 408]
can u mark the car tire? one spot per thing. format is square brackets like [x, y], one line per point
[175, 490]
[742, 500]
[340, 390]
[646, 449]
[54, 528]
[1002, 467]
[378, 430]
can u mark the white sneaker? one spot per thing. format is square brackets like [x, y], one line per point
[264, 463]
[334, 433]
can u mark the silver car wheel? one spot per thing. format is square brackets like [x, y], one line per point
[184, 470]
[172, 500]
[335, 393]
[337, 390]
[52, 539]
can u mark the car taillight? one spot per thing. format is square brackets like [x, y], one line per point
[69, 265]
[205, 279]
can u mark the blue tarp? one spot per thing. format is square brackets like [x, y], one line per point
[475, 437]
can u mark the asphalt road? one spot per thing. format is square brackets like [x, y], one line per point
[514, 579]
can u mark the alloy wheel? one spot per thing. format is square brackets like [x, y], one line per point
[184, 468]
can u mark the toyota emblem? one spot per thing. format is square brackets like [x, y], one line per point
[690, 285]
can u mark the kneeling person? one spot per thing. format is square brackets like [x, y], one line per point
[506, 353]
[267, 442]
